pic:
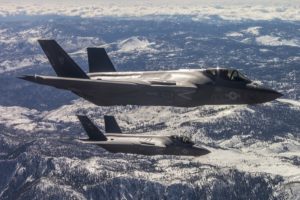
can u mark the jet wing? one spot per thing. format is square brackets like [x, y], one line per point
[78, 84]
[125, 92]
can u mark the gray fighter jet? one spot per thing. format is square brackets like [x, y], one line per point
[116, 142]
[104, 86]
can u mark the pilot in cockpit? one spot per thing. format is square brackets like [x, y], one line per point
[227, 75]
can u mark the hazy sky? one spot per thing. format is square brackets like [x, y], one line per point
[227, 9]
[163, 2]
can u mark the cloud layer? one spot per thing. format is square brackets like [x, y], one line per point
[229, 10]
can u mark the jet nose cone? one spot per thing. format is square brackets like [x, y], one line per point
[270, 95]
[277, 95]
[259, 94]
[200, 151]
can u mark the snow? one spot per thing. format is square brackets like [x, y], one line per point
[246, 41]
[294, 103]
[136, 44]
[264, 50]
[21, 118]
[18, 63]
[46, 185]
[251, 162]
[252, 30]
[17, 117]
[234, 34]
[270, 40]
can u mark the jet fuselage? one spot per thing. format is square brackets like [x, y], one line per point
[117, 142]
[183, 88]
[104, 86]
[148, 145]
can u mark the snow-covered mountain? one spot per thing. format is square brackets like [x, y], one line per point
[255, 150]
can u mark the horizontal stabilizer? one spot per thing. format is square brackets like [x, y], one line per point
[93, 132]
[99, 60]
[61, 62]
[111, 125]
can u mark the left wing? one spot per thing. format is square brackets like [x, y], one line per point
[78, 84]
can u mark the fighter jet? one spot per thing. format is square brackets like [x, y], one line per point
[117, 142]
[104, 86]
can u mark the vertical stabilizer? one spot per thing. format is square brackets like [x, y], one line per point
[61, 62]
[111, 125]
[99, 60]
[93, 132]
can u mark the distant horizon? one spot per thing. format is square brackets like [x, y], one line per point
[228, 10]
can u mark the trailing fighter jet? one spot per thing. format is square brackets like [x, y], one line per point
[104, 86]
[117, 142]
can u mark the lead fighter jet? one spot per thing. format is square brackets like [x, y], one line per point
[116, 142]
[104, 86]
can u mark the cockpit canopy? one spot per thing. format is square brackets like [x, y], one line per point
[227, 74]
[182, 139]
